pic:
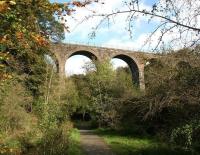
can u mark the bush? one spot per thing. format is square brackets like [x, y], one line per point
[182, 136]
[171, 104]
[187, 136]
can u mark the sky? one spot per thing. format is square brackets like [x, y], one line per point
[115, 35]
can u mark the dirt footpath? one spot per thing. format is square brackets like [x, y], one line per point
[93, 144]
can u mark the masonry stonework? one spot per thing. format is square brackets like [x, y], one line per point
[135, 60]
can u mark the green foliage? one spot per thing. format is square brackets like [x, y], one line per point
[35, 104]
[24, 41]
[55, 141]
[186, 135]
[170, 102]
[102, 92]
[74, 143]
[15, 119]
[14, 103]
[182, 136]
[31, 113]
[131, 144]
[36, 124]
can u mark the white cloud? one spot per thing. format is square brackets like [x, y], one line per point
[116, 35]
[135, 44]
[80, 30]
[119, 36]
[118, 63]
[75, 64]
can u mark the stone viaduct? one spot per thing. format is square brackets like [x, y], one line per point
[135, 60]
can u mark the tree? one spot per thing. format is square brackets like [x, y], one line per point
[102, 91]
[24, 41]
[32, 101]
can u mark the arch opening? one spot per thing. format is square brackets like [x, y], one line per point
[80, 62]
[132, 65]
[118, 63]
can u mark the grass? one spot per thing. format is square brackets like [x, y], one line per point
[135, 145]
[74, 143]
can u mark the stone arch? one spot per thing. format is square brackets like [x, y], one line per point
[87, 53]
[133, 65]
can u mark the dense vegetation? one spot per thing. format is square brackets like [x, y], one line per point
[126, 144]
[169, 108]
[36, 106]
[33, 115]
[102, 91]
